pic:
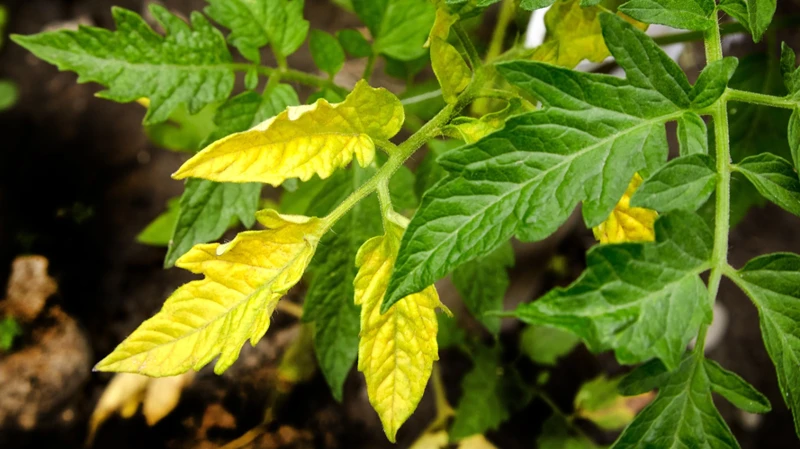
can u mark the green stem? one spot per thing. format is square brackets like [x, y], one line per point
[725, 29]
[472, 54]
[719, 113]
[291, 75]
[384, 197]
[401, 153]
[760, 99]
[369, 68]
[499, 34]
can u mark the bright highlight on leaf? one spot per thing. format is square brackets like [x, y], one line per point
[303, 141]
[244, 279]
[397, 348]
[626, 223]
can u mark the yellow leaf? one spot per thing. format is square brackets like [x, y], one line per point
[397, 349]
[471, 130]
[626, 223]
[574, 33]
[600, 402]
[431, 440]
[449, 67]
[302, 141]
[126, 391]
[215, 316]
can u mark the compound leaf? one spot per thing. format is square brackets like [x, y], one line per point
[527, 178]
[302, 141]
[188, 66]
[640, 300]
[683, 414]
[244, 280]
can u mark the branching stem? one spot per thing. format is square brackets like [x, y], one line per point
[288, 74]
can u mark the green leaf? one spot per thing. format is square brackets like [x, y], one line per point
[450, 334]
[159, 231]
[545, 345]
[600, 402]
[429, 171]
[490, 395]
[735, 389]
[530, 5]
[206, 211]
[207, 207]
[399, 27]
[401, 190]
[687, 14]
[184, 131]
[256, 23]
[482, 284]
[641, 300]
[794, 137]
[712, 82]
[9, 330]
[683, 414]
[354, 43]
[326, 52]
[646, 377]
[775, 178]
[517, 181]
[791, 74]
[9, 94]
[329, 300]
[683, 183]
[772, 282]
[190, 66]
[755, 15]
[556, 434]
[692, 134]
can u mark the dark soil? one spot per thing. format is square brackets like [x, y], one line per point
[79, 180]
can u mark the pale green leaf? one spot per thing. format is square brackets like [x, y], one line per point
[600, 402]
[183, 131]
[687, 14]
[189, 65]
[256, 23]
[545, 345]
[159, 231]
[326, 52]
[641, 300]
[683, 183]
[9, 94]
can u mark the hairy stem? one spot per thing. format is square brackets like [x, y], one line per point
[760, 99]
[472, 54]
[288, 74]
[719, 113]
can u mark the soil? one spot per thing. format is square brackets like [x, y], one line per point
[79, 180]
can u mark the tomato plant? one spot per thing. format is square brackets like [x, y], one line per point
[534, 139]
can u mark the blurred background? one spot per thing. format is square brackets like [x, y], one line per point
[79, 180]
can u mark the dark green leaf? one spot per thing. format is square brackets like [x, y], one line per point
[527, 178]
[256, 23]
[429, 171]
[775, 178]
[735, 389]
[329, 301]
[326, 52]
[206, 210]
[647, 377]
[450, 334]
[8, 94]
[794, 137]
[683, 414]
[773, 283]
[354, 43]
[683, 183]
[371, 12]
[556, 434]
[190, 66]
[687, 14]
[692, 134]
[482, 284]
[738, 10]
[712, 82]
[755, 15]
[791, 74]
[545, 345]
[159, 231]
[641, 300]
[490, 395]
